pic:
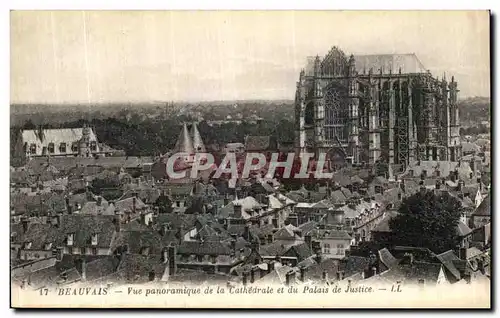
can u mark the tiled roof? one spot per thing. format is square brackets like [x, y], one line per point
[101, 267]
[135, 268]
[204, 248]
[407, 273]
[330, 234]
[288, 232]
[484, 209]
[383, 225]
[56, 136]
[308, 227]
[354, 264]
[463, 229]
[447, 259]
[277, 248]
[387, 258]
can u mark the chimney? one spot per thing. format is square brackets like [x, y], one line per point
[25, 223]
[99, 201]
[172, 262]
[252, 276]
[408, 257]
[246, 232]
[269, 238]
[81, 267]
[308, 240]
[237, 210]
[68, 206]
[374, 271]
[478, 180]
[257, 273]
[164, 228]
[245, 278]
[270, 267]
[324, 275]
[303, 272]
[289, 278]
[117, 223]
[134, 204]
[462, 253]
[164, 254]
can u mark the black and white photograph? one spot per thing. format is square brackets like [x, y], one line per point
[250, 159]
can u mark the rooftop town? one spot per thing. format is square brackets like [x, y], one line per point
[84, 213]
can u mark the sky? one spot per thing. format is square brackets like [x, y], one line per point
[96, 57]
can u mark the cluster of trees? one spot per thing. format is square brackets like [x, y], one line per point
[427, 220]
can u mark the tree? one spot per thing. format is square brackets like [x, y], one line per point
[164, 204]
[428, 220]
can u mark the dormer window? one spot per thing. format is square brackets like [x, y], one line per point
[47, 246]
[51, 147]
[145, 251]
[70, 239]
[33, 149]
[62, 147]
[94, 239]
[27, 245]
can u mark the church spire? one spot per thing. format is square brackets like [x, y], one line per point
[184, 143]
[197, 141]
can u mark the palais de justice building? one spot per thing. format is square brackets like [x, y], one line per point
[375, 108]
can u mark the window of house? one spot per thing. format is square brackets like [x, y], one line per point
[47, 246]
[51, 147]
[178, 204]
[340, 249]
[363, 235]
[71, 238]
[74, 147]
[326, 248]
[62, 147]
[93, 146]
[33, 149]
[27, 245]
[70, 250]
[94, 251]
[94, 239]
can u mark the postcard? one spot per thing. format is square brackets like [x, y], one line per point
[250, 159]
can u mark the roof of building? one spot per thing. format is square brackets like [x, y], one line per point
[484, 209]
[412, 273]
[447, 259]
[42, 137]
[387, 258]
[408, 63]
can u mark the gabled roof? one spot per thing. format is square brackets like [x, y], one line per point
[484, 209]
[387, 258]
[447, 259]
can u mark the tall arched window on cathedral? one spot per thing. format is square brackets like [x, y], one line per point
[309, 114]
[336, 117]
